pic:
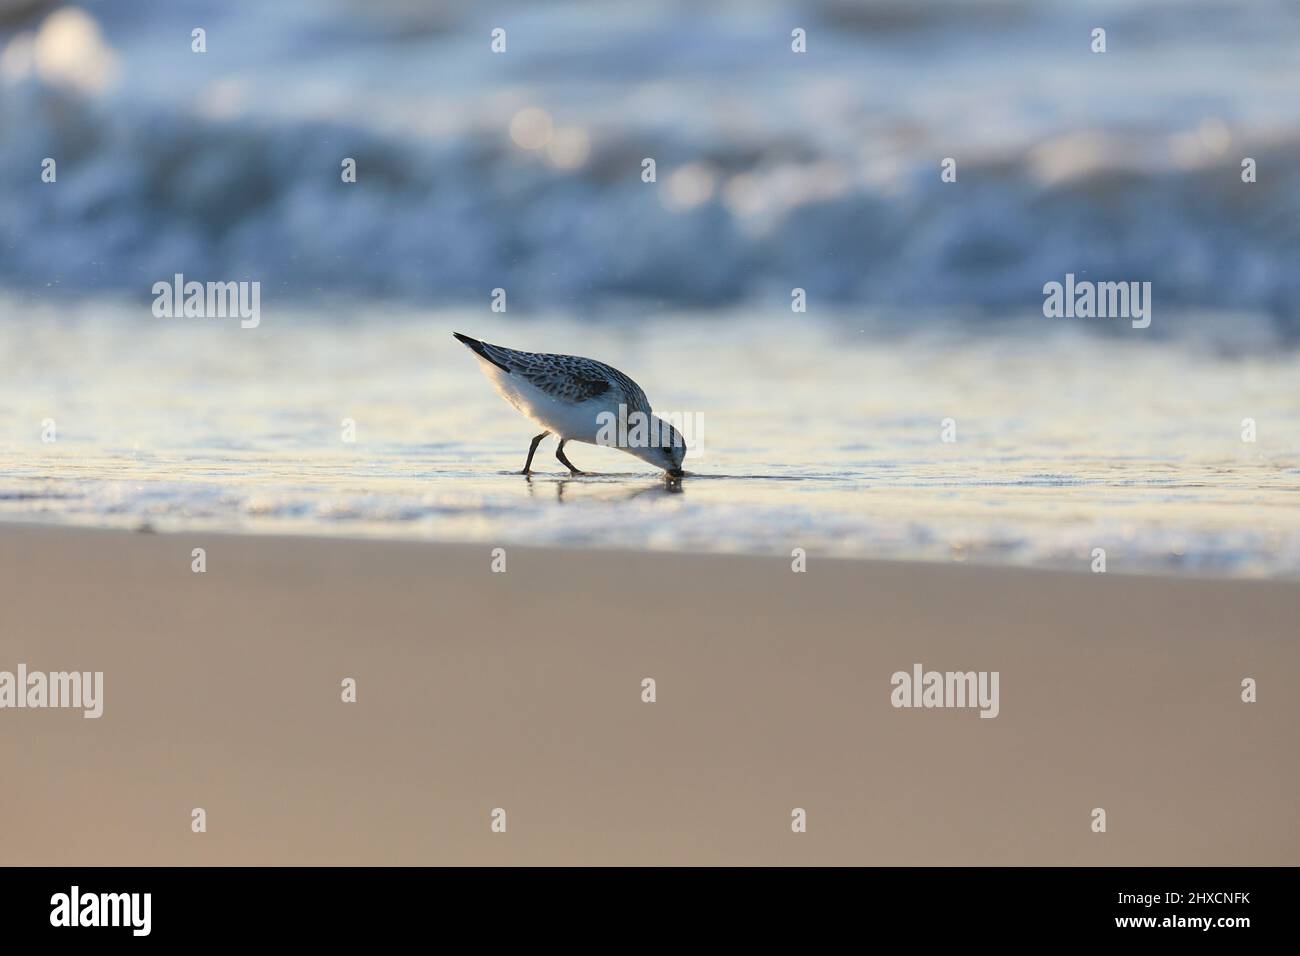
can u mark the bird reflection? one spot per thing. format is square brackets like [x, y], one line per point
[665, 486]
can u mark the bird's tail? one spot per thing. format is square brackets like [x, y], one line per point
[480, 349]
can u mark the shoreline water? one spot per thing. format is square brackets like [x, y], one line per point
[1061, 444]
[384, 534]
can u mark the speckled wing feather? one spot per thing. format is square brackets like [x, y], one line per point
[569, 378]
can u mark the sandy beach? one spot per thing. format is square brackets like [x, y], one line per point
[523, 691]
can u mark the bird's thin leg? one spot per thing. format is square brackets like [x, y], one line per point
[532, 449]
[559, 453]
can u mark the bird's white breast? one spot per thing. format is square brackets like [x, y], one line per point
[578, 422]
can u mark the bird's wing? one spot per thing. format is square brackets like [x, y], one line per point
[569, 378]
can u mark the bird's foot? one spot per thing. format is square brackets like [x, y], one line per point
[574, 472]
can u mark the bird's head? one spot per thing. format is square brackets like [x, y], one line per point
[666, 451]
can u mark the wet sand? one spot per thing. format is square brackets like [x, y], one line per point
[523, 691]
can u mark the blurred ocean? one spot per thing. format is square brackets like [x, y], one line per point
[775, 171]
